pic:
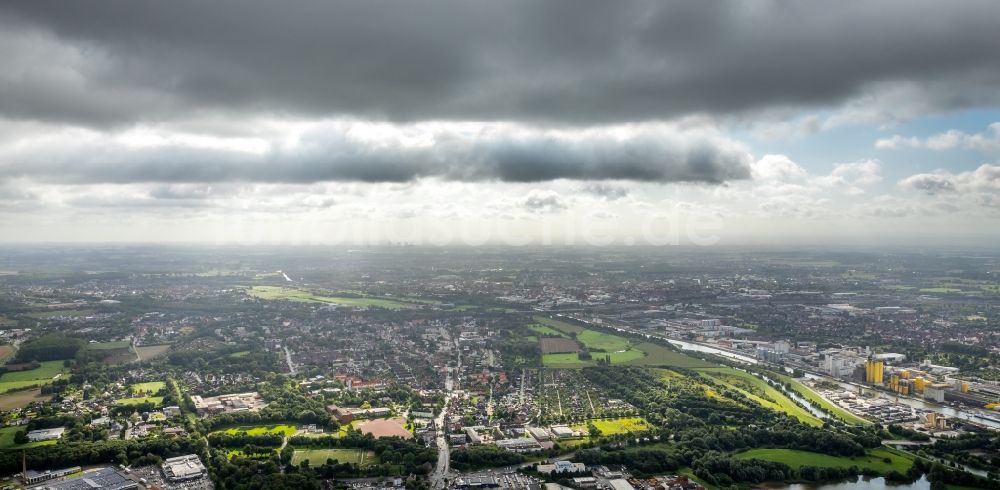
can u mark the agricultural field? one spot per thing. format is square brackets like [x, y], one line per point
[7, 439]
[21, 399]
[155, 400]
[6, 351]
[319, 456]
[147, 352]
[605, 345]
[302, 296]
[44, 374]
[151, 387]
[875, 460]
[759, 391]
[545, 330]
[281, 429]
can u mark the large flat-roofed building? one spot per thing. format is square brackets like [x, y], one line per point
[620, 484]
[236, 402]
[104, 478]
[30, 477]
[183, 468]
[46, 434]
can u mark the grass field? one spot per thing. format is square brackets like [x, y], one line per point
[118, 344]
[796, 459]
[6, 351]
[319, 456]
[7, 439]
[619, 348]
[821, 402]
[546, 330]
[151, 387]
[625, 425]
[303, 296]
[282, 429]
[759, 391]
[42, 375]
[58, 313]
[21, 399]
[147, 352]
[155, 400]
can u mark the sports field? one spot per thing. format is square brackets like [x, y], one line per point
[875, 460]
[155, 400]
[149, 388]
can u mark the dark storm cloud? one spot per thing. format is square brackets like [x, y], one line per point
[571, 61]
[506, 153]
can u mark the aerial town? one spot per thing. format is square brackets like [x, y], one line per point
[516, 370]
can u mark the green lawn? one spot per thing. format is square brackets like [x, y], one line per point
[7, 439]
[624, 425]
[155, 400]
[318, 457]
[796, 459]
[821, 402]
[282, 429]
[759, 391]
[118, 344]
[940, 290]
[571, 360]
[46, 370]
[150, 387]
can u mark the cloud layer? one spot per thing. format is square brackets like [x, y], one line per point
[576, 62]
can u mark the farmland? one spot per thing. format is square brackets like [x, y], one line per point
[148, 352]
[22, 398]
[42, 375]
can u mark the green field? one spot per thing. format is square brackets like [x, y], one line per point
[151, 387]
[572, 360]
[155, 400]
[942, 290]
[58, 313]
[118, 344]
[619, 348]
[546, 330]
[42, 375]
[7, 439]
[759, 391]
[821, 402]
[318, 457]
[625, 425]
[796, 459]
[284, 430]
[304, 296]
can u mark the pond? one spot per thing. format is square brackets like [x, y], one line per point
[861, 483]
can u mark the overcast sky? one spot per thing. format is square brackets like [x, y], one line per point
[470, 121]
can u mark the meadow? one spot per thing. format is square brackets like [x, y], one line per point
[281, 429]
[319, 456]
[155, 400]
[42, 375]
[7, 439]
[150, 387]
[875, 460]
[625, 425]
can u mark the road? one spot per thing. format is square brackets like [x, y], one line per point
[291, 365]
[439, 477]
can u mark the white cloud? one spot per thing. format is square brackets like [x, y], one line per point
[948, 140]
